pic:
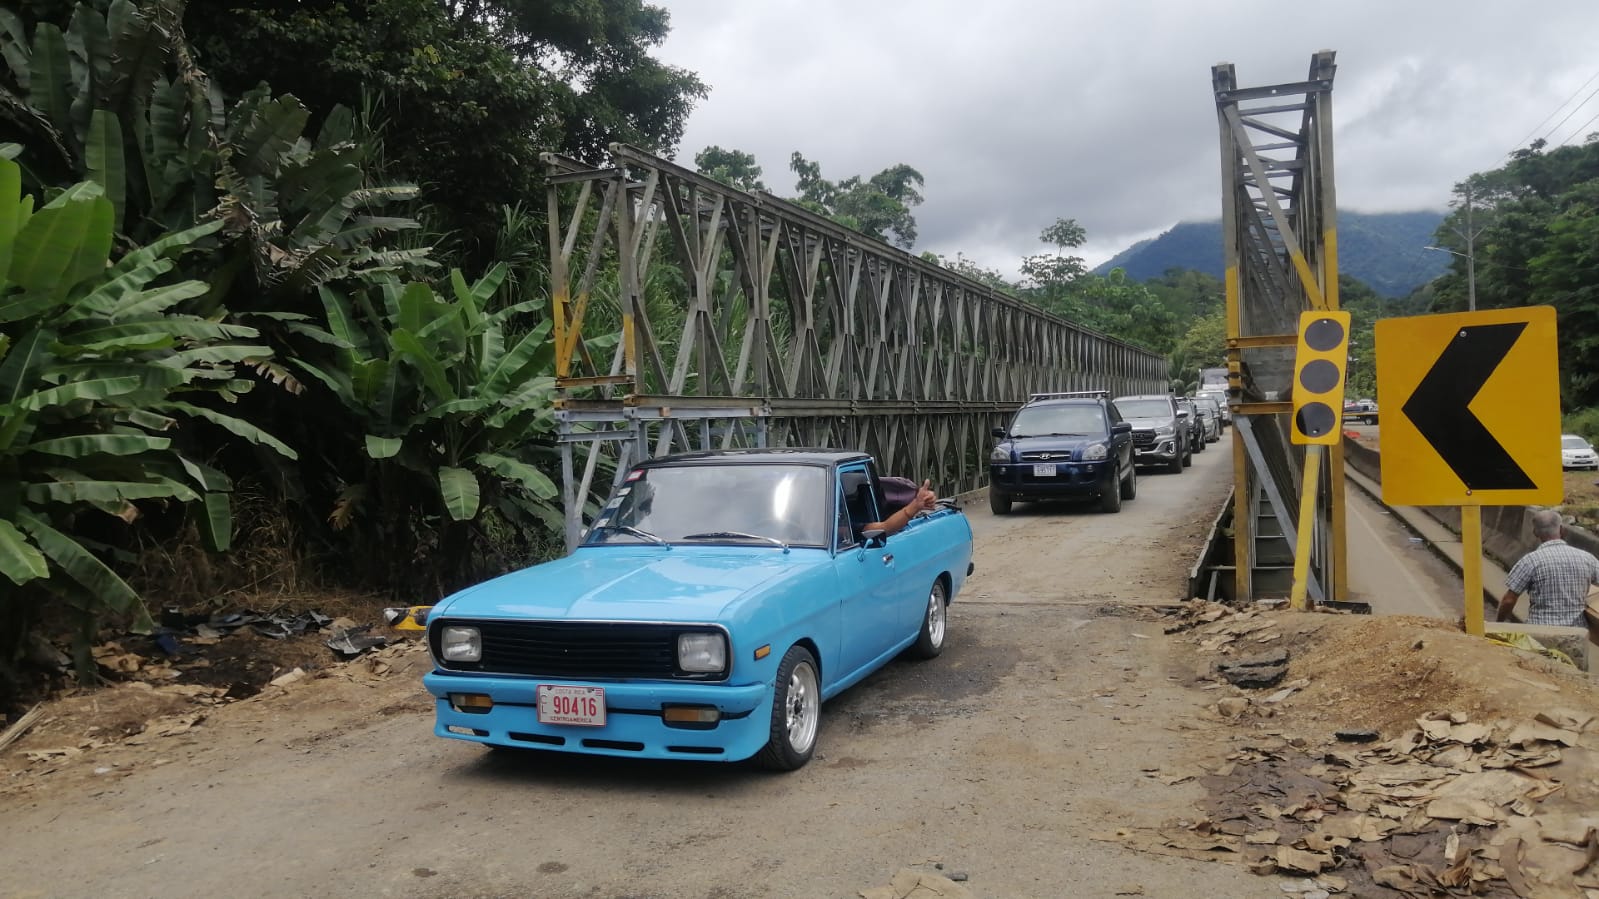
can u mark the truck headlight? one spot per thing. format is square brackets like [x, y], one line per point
[1165, 431]
[1094, 453]
[702, 653]
[1000, 454]
[461, 644]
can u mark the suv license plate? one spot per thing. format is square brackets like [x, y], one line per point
[1044, 470]
[582, 706]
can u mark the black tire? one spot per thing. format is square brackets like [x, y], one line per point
[935, 623]
[796, 713]
[1175, 466]
[1129, 485]
[1110, 500]
[1188, 455]
[998, 502]
[1200, 446]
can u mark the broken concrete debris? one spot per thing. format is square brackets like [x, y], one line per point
[1255, 672]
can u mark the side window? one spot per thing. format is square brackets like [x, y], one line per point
[858, 506]
[842, 526]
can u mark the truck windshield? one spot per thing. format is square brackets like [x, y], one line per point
[1152, 408]
[739, 503]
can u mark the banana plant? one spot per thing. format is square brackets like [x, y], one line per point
[442, 388]
[117, 99]
[101, 385]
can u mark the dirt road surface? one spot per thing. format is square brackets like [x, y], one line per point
[1050, 720]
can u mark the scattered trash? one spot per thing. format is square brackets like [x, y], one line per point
[350, 642]
[1356, 736]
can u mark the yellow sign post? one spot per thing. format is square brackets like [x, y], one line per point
[1470, 418]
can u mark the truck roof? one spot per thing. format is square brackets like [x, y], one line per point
[759, 456]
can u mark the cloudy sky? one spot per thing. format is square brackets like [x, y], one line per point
[1021, 111]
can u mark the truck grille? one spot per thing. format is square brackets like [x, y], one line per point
[1143, 438]
[575, 649]
[1048, 456]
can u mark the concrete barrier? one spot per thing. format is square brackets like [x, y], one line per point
[1506, 530]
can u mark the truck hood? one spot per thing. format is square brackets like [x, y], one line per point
[632, 583]
[1164, 421]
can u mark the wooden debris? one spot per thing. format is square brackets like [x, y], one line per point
[15, 732]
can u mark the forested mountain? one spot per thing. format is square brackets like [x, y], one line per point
[1383, 250]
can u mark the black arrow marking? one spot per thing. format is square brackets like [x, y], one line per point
[1438, 408]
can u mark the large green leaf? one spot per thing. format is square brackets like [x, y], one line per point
[160, 299]
[92, 574]
[459, 488]
[15, 50]
[536, 482]
[80, 445]
[76, 487]
[97, 389]
[139, 51]
[20, 560]
[104, 300]
[383, 447]
[533, 353]
[235, 426]
[17, 370]
[185, 328]
[266, 137]
[52, 249]
[49, 76]
[432, 370]
[103, 153]
[10, 211]
[216, 522]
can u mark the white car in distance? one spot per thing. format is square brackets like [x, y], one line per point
[1577, 452]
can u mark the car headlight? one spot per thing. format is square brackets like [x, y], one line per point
[1165, 431]
[1094, 453]
[461, 644]
[1000, 454]
[702, 653]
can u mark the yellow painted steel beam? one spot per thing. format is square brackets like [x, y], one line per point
[1307, 527]
[1262, 340]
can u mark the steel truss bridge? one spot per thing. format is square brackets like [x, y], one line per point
[690, 315]
[1279, 227]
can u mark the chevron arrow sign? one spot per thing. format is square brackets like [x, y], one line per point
[1471, 408]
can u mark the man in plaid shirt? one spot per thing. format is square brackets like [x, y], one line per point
[1556, 574]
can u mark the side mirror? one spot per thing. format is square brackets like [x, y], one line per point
[1000, 433]
[875, 538]
[1182, 413]
[1121, 427]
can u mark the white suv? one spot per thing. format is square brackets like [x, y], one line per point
[1577, 452]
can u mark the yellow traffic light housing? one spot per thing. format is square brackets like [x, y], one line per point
[1320, 358]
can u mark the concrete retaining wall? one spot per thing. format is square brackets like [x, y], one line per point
[1506, 530]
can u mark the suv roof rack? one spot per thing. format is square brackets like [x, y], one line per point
[1070, 394]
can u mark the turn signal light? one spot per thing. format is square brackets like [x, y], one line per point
[471, 702]
[678, 714]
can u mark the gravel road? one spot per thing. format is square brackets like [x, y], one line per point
[1048, 720]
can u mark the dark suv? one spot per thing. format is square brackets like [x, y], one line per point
[1062, 446]
[1160, 430]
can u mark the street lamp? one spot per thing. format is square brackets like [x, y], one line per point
[1471, 271]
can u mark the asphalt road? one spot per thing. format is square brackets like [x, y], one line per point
[1046, 723]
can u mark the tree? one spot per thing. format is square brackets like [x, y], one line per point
[879, 205]
[469, 93]
[734, 168]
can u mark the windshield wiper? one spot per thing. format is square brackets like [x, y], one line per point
[629, 529]
[712, 535]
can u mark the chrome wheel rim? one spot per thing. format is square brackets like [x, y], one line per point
[935, 617]
[804, 704]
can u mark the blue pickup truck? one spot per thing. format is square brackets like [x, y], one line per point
[717, 600]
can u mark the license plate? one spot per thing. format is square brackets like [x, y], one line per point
[1044, 470]
[582, 706]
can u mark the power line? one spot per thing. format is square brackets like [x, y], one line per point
[1573, 112]
[1553, 112]
[1580, 129]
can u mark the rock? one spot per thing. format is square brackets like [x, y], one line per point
[1255, 672]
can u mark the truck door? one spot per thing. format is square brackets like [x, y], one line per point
[867, 577]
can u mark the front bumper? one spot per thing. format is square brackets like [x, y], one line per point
[1587, 460]
[1071, 479]
[1164, 450]
[633, 726]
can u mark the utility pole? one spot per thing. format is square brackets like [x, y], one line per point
[1471, 256]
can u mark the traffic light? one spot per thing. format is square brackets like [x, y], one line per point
[1319, 362]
